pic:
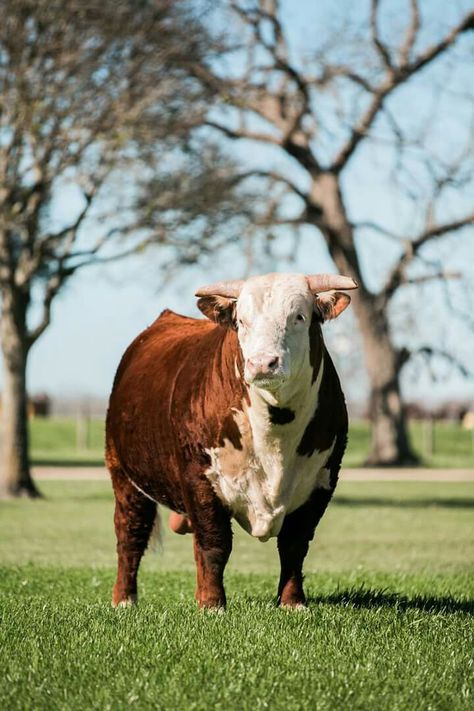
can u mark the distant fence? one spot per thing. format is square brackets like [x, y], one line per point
[80, 437]
[74, 437]
[429, 429]
[83, 429]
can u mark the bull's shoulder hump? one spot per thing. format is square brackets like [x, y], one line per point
[172, 341]
[170, 327]
[170, 319]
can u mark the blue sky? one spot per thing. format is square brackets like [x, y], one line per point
[102, 309]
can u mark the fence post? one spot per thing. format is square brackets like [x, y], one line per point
[82, 431]
[428, 437]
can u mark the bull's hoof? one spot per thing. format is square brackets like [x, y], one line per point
[179, 523]
[123, 601]
[215, 608]
[297, 606]
[292, 600]
[211, 603]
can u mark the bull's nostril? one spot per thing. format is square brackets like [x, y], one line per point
[273, 363]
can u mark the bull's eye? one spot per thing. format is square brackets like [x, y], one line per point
[300, 318]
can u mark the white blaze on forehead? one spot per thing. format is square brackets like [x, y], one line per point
[267, 311]
[274, 295]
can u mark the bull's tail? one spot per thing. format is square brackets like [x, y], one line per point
[155, 542]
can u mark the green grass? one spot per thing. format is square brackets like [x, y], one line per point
[389, 626]
[453, 447]
[54, 441]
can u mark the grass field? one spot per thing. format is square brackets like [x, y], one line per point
[54, 441]
[389, 624]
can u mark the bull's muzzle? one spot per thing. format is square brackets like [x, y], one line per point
[262, 366]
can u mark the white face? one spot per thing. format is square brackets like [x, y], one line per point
[273, 316]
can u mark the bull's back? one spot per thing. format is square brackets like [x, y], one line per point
[163, 410]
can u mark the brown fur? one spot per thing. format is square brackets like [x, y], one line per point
[173, 397]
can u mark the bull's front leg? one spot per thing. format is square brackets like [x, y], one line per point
[212, 547]
[293, 543]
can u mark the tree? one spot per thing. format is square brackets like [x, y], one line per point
[315, 114]
[99, 97]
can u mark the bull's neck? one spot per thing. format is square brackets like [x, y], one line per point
[291, 407]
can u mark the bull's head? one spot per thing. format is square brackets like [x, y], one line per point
[272, 315]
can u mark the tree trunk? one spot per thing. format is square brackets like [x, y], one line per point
[15, 475]
[390, 439]
[390, 445]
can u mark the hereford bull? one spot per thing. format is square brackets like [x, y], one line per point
[240, 416]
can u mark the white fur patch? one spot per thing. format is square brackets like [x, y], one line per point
[273, 315]
[323, 480]
[263, 478]
[266, 479]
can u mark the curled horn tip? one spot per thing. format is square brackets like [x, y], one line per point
[228, 289]
[327, 282]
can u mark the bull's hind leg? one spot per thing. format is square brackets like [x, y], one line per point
[134, 518]
[293, 543]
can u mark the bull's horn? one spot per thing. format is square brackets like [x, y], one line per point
[326, 282]
[229, 289]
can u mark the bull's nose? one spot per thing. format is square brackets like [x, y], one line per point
[262, 365]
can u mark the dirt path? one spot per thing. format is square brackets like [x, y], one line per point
[98, 474]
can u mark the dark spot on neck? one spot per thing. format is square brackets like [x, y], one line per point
[280, 415]
[329, 418]
[315, 346]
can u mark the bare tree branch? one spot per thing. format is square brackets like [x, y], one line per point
[242, 133]
[53, 286]
[435, 50]
[379, 45]
[394, 77]
[397, 275]
[273, 176]
[375, 227]
[434, 351]
[410, 35]
[443, 274]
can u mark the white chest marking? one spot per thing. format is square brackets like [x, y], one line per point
[266, 478]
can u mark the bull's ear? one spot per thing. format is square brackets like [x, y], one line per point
[329, 304]
[219, 309]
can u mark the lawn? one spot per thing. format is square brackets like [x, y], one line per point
[389, 624]
[57, 441]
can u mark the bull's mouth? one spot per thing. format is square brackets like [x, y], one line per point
[266, 382]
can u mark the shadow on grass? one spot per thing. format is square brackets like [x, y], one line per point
[373, 599]
[67, 463]
[97, 497]
[458, 503]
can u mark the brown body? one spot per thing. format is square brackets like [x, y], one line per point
[174, 400]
